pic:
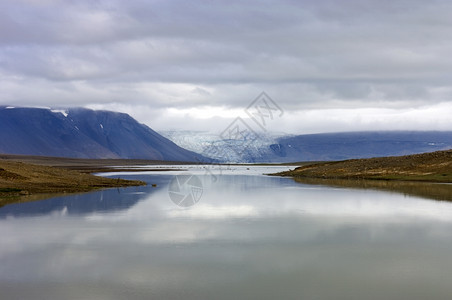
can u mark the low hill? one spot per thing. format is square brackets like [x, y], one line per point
[434, 167]
[84, 133]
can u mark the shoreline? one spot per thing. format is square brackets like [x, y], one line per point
[26, 178]
[434, 167]
[32, 177]
[20, 181]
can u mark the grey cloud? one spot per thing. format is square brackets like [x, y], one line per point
[307, 53]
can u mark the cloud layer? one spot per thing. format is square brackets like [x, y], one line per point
[160, 56]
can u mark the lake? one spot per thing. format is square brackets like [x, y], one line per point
[230, 233]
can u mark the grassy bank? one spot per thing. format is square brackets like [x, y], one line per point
[428, 167]
[18, 179]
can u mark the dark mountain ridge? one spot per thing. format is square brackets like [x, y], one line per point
[84, 133]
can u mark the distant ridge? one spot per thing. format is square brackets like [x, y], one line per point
[84, 133]
[349, 145]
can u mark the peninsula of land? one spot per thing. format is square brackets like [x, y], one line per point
[20, 180]
[427, 167]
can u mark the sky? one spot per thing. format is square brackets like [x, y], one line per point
[329, 65]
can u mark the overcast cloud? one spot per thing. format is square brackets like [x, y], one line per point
[331, 65]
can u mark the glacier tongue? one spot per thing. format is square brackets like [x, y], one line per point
[225, 150]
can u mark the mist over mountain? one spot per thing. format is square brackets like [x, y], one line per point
[84, 133]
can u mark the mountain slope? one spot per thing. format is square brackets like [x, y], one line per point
[84, 133]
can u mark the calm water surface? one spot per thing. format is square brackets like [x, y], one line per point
[249, 237]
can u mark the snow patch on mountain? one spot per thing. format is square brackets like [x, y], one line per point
[60, 111]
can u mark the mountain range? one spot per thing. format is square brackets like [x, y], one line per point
[84, 133]
[280, 148]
